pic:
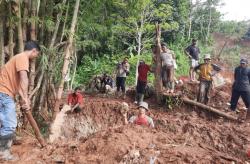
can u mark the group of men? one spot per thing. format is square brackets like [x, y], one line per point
[14, 81]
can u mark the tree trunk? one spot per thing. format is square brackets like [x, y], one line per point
[209, 23]
[2, 56]
[64, 23]
[190, 20]
[158, 83]
[66, 59]
[25, 17]
[32, 37]
[74, 71]
[11, 33]
[208, 108]
[57, 26]
[138, 55]
[19, 28]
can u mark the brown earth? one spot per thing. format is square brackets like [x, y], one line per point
[183, 133]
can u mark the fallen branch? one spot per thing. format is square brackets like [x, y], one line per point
[208, 108]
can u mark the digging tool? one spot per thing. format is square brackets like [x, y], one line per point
[33, 123]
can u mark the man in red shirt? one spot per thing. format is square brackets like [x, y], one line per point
[141, 118]
[75, 99]
[143, 70]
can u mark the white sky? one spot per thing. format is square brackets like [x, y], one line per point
[236, 10]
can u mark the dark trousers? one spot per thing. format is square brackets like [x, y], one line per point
[168, 77]
[120, 83]
[140, 88]
[245, 95]
[77, 109]
[204, 90]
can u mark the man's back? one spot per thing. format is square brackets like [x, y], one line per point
[9, 79]
[143, 70]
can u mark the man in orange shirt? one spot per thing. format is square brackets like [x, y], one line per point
[75, 99]
[14, 80]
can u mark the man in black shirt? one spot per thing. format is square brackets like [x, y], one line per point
[193, 53]
[241, 86]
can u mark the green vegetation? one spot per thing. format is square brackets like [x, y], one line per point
[89, 67]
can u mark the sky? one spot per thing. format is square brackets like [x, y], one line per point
[236, 10]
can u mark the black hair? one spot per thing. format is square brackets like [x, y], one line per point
[31, 45]
[194, 40]
[77, 88]
[163, 44]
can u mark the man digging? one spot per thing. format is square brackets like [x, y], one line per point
[14, 80]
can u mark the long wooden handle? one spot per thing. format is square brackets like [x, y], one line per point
[35, 128]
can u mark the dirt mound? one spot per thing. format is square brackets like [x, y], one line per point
[97, 135]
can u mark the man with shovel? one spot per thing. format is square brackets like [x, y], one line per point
[14, 80]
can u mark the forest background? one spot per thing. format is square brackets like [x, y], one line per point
[82, 38]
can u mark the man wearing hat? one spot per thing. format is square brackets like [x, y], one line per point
[205, 70]
[141, 118]
[241, 86]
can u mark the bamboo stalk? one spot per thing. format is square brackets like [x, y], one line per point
[2, 56]
[67, 55]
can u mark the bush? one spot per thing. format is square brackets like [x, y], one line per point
[91, 67]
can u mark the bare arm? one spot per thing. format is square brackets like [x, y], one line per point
[125, 118]
[23, 90]
[77, 105]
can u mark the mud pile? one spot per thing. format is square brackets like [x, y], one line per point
[97, 135]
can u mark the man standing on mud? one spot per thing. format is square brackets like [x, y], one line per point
[206, 71]
[14, 80]
[122, 71]
[168, 68]
[241, 86]
[193, 52]
[143, 70]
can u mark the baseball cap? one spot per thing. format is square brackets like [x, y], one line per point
[207, 56]
[243, 61]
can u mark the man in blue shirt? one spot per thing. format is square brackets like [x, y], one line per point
[241, 86]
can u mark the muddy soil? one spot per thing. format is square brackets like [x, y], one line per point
[97, 135]
[184, 134]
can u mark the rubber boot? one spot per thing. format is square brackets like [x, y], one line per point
[140, 98]
[5, 145]
[123, 95]
[136, 98]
